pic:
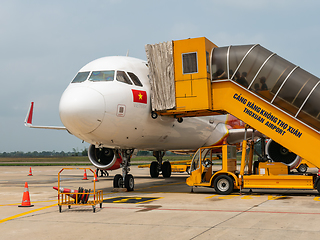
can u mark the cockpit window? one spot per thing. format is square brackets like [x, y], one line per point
[122, 77]
[102, 76]
[81, 77]
[135, 79]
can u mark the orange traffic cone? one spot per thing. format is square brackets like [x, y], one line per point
[26, 197]
[30, 172]
[95, 179]
[85, 175]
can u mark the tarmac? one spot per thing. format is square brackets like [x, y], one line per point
[158, 209]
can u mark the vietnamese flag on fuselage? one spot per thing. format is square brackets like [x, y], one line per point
[139, 96]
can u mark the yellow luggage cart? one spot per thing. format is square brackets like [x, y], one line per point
[79, 197]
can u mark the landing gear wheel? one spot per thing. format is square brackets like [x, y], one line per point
[166, 169]
[154, 171]
[223, 184]
[117, 181]
[302, 168]
[129, 182]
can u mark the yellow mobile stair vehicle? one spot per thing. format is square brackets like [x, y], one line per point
[264, 175]
[194, 77]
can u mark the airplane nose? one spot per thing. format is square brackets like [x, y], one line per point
[81, 109]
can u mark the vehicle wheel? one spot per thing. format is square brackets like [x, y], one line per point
[94, 208]
[100, 205]
[166, 169]
[223, 184]
[154, 115]
[154, 171]
[302, 168]
[60, 208]
[318, 186]
[129, 182]
[117, 181]
[180, 120]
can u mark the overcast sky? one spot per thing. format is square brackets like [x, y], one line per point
[44, 43]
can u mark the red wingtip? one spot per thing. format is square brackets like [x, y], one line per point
[29, 121]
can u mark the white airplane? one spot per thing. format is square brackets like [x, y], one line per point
[107, 104]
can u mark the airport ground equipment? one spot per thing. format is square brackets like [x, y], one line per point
[194, 77]
[249, 175]
[81, 196]
[304, 165]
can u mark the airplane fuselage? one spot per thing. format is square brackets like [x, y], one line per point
[107, 110]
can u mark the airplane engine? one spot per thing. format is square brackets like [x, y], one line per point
[104, 158]
[278, 153]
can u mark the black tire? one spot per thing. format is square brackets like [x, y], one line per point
[129, 182]
[166, 169]
[117, 181]
[100, 205]
[154, 115]
[94, 208]
[302, 168]
[318, 185]
[223, 184]
[154, 171]
[60, 208]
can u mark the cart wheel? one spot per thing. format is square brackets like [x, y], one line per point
[69, 206]
[100, 205]
[60, 208]
[302, 168]
[223, 184]
[94, 208]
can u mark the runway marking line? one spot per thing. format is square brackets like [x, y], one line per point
[14, 204]
[26, 213]
[134, 200]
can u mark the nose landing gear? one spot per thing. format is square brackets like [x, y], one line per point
[125, 180]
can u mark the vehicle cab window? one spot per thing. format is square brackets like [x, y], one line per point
[101, 76]
[80, 77]
[135, 79]
[122, 77]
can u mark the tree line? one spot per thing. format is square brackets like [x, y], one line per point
[74, 152]
[53, 153]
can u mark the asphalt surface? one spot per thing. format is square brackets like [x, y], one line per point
[157, 209]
